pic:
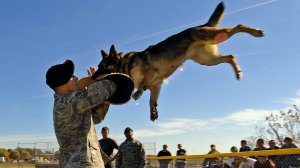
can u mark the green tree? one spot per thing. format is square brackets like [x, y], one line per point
[25, 155]
[31, 151]
[14, 154]
[38, 152]
[56, 155]
[4, 153]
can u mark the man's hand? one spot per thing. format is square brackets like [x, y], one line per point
[84, 82]
[91, 71]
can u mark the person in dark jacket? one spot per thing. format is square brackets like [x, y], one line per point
[164, 163]
[244, 147]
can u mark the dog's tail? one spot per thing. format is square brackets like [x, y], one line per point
[216, 17]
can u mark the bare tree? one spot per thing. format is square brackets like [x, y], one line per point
[251, 141]
[281, 125]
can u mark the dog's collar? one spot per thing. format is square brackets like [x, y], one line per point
[123, 66]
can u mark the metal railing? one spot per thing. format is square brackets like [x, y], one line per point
[280, 158]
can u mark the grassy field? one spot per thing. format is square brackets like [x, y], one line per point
[16, 165]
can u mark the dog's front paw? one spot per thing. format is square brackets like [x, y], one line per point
[137, 94]
[239, 75]
[153, 113]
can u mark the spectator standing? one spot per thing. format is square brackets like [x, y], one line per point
[164, 163]
[208, 161]
[107, 146]
[180, 163]
[288, 143]
[131, 152]
[272, 145]
[275, 159]
[290, 160]
[231, 159]
[260, 145]
[244, 146]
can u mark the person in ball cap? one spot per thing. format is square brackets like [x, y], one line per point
[75, 112]
[131, 153]
[128, 132]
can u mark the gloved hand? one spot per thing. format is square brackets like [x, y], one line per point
[125, 87]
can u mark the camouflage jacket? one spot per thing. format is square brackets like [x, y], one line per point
[74, 116]
[131, 154]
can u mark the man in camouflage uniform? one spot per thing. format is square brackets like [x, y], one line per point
[131, 153]
[75, 112]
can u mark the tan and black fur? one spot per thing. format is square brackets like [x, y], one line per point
[150, 67]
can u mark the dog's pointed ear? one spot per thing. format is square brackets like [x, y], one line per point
[114, 53]
[104, 54]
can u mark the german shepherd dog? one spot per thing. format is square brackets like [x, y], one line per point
[150, 67]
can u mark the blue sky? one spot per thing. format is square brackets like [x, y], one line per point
[198, 106]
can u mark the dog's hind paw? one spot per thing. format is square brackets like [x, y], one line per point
[259, 33]
[137, 94]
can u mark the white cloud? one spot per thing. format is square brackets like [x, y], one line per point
[295, 100]
[156, 133]
[242, 118]
[246, 117]
[249, 116]
[42, 96]
[174, 126]
[28, 138]
[184, 124]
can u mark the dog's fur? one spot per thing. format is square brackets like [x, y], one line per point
[150, 67]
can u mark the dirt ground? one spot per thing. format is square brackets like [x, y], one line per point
[16, 165]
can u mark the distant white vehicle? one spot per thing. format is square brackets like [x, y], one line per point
[2, 159]
[35, 158]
